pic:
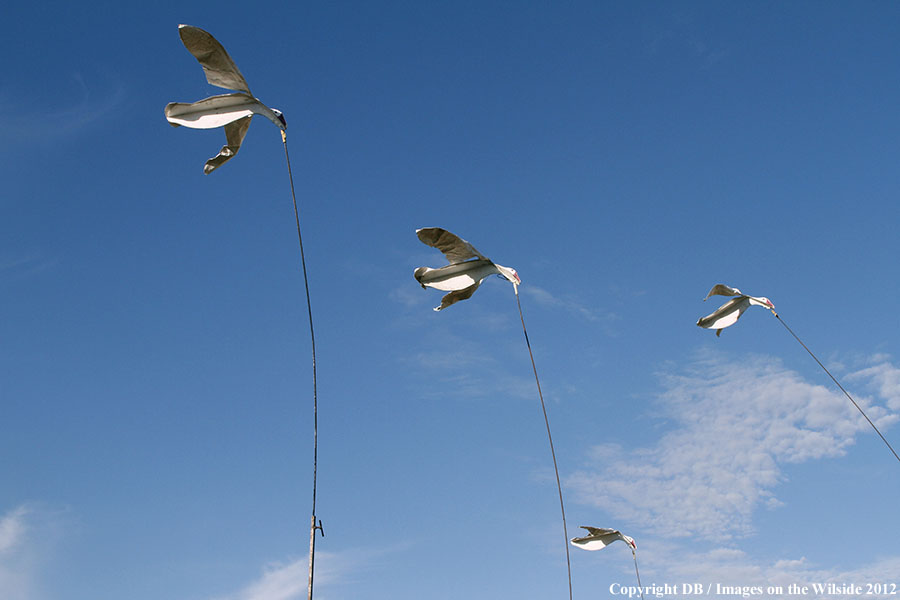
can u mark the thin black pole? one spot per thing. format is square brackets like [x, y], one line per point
[312, 335]
[886, 443]
[562, 507]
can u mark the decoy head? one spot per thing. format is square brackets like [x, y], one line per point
[280, 116]
[510, 274]
[761, 301]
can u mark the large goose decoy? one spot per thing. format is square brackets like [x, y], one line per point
[599, 538]
[233, 110]
[467, 268]
[731, 311]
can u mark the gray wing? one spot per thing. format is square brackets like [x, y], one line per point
[234, 136]
[599, 530]
[454, 247]
[726, 315]
[720, 289]
[219, 68]
[454, 297]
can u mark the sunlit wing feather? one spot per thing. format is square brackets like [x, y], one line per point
[456, 296]
[726, 315]
[598, 530]
[234, 136]
[720, 289]
[454, 248]
[217, 64]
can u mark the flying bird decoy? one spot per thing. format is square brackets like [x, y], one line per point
[599, 537]
[233, 111]
[731, 311]
[467, 268]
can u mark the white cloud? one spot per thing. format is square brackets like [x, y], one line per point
[12, 530]
[884, 378]
[19, 556]
[277, 582]
[736, 423]
[290, 581]
[733, 567]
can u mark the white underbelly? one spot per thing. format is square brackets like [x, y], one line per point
[459, 276]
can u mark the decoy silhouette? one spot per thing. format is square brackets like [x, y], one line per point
[233, 111]
[467, 268]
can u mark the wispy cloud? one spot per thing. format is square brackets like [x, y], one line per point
[71, 112]
[569, 304]
[16, 574]
[467, 369]
[289, 580]
[406, 295]
[735, 567]
[30, 263]
[279, 581]
[736, 422]
[12, 530]
[23, 535]
[884, 378]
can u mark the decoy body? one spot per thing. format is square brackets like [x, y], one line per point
[233, 111]
[599, 538]
[467, 268]
[731, 311]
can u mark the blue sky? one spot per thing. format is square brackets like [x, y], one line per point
[623, 157]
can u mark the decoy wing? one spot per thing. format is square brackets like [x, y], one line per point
[598, 530]
[600, 538]
[456, 296]
[720, 289]
[454, 248]
[234, 136]
[219, 68]
[726, 315]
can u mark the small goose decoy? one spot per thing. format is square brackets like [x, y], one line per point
[467, 268]
[599, 538]
[233, 111]
[731, 311]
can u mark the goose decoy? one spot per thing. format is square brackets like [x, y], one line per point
[233, 111]
[599, 538]
[731, 311]
[467, 268]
